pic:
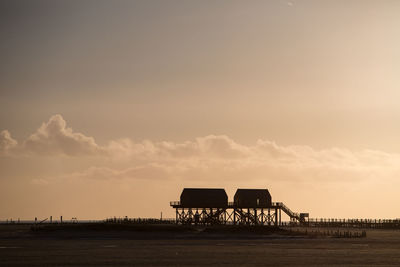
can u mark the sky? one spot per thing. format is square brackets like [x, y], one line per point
[111, 108]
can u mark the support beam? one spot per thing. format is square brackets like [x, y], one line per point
[262, 216]
[270, 216]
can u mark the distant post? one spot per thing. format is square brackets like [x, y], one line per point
[60, 219]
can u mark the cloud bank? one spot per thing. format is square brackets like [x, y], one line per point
[208, 157]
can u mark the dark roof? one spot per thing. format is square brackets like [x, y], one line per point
[204, 198]
[251, 198]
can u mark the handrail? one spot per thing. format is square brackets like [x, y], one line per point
[280, 205]
[277, 204]
[175, 203]
[287, 210]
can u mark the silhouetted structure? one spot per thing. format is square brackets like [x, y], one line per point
[204, 198]
[250, 207]
[251, 198]
[201, 206]
[253, 207]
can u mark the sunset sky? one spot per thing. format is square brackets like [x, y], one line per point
[110, 108]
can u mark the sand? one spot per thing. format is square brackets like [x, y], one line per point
[19, 246]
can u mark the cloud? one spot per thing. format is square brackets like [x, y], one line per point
[209, 146]
[227, 162]
[6, 142]
[220, 157]
[212, 150]
[55, 138]
[56, 162]
[212, 157]
[146, 172]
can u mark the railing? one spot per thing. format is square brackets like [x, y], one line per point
[231, 204]
[273, 204]
[140, 220]
[356, 221]
[175, 203]
[287, 210]
[107, 220]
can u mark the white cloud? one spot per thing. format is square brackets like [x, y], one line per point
[150, 171]
[54, 137]
[6, 142]
[203, 158]
[266, 161]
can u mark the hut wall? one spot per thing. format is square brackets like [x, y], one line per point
[204, 198]
[252, 198]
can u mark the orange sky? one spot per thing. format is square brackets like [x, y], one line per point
[110, 109]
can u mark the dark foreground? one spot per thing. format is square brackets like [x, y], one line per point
[79, 246]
